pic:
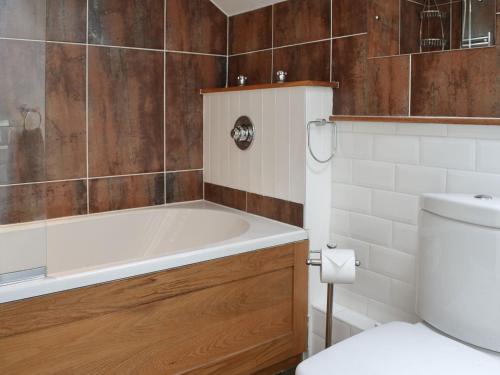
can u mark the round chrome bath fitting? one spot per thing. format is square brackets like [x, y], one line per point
[243, 132]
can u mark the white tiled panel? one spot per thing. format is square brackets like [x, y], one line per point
[275, 163]
[377, 177]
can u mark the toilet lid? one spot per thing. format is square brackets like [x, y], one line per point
[400, 348]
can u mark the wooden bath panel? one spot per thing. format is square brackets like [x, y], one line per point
[245, 314]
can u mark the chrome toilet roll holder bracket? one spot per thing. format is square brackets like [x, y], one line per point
[329, 294]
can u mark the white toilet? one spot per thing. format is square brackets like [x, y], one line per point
[458, 300]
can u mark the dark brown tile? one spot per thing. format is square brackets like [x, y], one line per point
[196, 26]
[276, 209]
[299, 21]
[445, 84]
[251, 31]
[184, 186]
[130, 23]
[31, 202]
[383, 33]
[410, 33]
[22, 84]
[118, 193]
[125, 111]
[65, 131]
[256, 66]
[388, 86]
[304, 62]
[349, 67]
[226, 196]
[57, 20]
[348, 17]
[67, 20]
[497, 40]
[456, 25]
[186, 74]
[66, 198]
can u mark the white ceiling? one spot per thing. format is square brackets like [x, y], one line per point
[232, 7]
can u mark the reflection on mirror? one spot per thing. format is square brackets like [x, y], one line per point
[435, 25]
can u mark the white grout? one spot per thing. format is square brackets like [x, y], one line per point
[87, 108]
[272, 43]
[164, 102]
[112, 46]
[409, 85]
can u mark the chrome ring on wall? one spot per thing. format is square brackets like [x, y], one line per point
[321, 122]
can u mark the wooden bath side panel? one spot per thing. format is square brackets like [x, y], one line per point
[243, 314]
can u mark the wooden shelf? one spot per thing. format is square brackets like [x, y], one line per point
[333, 85]
[422, 120]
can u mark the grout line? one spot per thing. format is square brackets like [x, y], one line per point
[331, 40]
[185, 170]
[296, 44]
[164, 102]
[227, 53]
[87, 108]
[409, 85]
[272, 43]
[100, 177]
[250, 52]
[43, 182]
[111, 46]
[303, 43]
[399, 31]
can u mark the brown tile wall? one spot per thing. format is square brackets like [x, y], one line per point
[272, 208]
[120, 105]
[348, 44]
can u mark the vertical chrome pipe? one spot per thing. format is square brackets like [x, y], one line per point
[329, 316]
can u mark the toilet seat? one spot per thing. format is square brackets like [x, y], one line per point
[401, 348]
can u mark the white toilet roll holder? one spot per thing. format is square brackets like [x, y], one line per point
[329, 294]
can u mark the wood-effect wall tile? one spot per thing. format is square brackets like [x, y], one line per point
[22, 83]
[388, 86]
[304, 62]
[445, 84]
[348, 17]
[125, 111]
[118, 193]
[226, 196]
[129, 23]
[251, 31]
[196, 26]
[31, 202]
[276, 209]
[256, 66]
[383, 32]
[300, 21]
[349, 68]
[55, 20]
[65, 132]
[184, 186]
[186, 74]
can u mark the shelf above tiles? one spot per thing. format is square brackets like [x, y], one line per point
[333, 85]
[421, 120]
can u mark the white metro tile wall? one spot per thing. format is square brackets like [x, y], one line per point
[378, 175]
[275, 164]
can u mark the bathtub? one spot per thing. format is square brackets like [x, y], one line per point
[94, 249]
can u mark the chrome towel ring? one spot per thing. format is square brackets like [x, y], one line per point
[321, 122]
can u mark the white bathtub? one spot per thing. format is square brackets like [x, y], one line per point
[99, 248]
